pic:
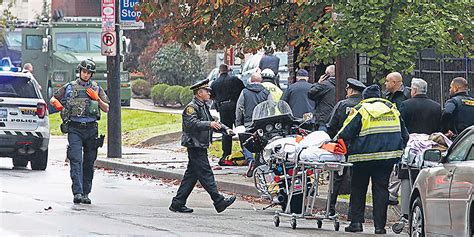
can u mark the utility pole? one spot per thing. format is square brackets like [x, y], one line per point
[114, 120]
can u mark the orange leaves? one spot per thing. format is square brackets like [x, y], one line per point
[245, 10]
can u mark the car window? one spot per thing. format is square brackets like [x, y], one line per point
[462, 148]
[22, 87]
[34, 42]
[470, 156]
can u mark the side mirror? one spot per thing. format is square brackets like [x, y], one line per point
[432, 155]
[45, 46]
[126, 45]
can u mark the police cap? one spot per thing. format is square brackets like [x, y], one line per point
[355, 84]
[204, 84]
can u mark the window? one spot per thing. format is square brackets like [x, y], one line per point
[470, 156]
[94, 41]
[34, 42]
[459, 152]
[18, 87]
[71, 42]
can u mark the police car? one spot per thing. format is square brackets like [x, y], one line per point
[24, 124]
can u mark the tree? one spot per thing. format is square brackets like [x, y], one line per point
[390, 32]
[7, 19]
[146, 58]
[140, 39]
[175, 65]
[45, 12]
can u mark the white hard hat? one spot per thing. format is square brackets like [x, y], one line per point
[268, 73]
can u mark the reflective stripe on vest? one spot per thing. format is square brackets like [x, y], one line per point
[375, 156]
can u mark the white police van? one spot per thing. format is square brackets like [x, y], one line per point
[24, 124]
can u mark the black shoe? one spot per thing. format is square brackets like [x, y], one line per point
[250, 168]
[380, 231]
[224, 204]
[332, 212]
[393, 202]
[86, 199]
[354, 227]
[182, 209]
[77, 198]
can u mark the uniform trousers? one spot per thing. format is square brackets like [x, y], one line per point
[227, 117]
[82, 153]
[198, 169]
[379, 173]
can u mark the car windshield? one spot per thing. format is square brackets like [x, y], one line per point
[77, 42]
[14, 86]
[283, 56]
[13, 38]
[271, 108]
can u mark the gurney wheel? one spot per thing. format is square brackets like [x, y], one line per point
[398, 227]
[293, 224]
[336, 226]
[320, 224]
[276, 221]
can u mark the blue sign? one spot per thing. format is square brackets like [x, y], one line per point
[128, 16]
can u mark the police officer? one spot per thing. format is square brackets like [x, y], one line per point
[80, 102]
[198, 125]
[376, 136]
[354, 89]
[458, 113]
[269, 83]
[226, 90]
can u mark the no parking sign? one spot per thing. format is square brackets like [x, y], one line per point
[109, 41]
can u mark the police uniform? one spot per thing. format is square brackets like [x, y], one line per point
[197, 135]
[80, 115]
[339, 114]
[376, 137]
[458, 113]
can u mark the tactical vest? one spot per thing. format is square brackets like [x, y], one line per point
[274, 90]
[80, 104]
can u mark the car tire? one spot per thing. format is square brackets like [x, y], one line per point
[126, 103]
[39, 161]
[20, 161]
[416, 220]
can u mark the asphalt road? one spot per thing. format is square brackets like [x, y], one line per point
[40, 203]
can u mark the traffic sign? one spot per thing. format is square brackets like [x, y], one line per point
[128, 15]
[108, 15]
[108, 47]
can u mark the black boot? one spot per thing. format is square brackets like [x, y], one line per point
[380, 231]
[354, 227]
[86, 199]
[77, 198]
[182, 209]
[221, 206]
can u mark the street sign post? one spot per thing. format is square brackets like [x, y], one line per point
[128, 15]
[108, 46]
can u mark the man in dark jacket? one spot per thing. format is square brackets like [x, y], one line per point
[253, 94]
[458, 113]
[324, 94]
[269, 60]
[396, 92]
[339, 114]
[226, 90]
[420, 113]
[296, 95]
[198, 125]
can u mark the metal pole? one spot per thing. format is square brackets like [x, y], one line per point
[114, 121]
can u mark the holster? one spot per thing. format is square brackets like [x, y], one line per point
[100, 141]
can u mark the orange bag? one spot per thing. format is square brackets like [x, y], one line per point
[336, 148]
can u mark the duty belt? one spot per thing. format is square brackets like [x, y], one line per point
[83, 124]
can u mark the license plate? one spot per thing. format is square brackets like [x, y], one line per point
[3, 113]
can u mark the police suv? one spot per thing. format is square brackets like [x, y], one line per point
[24, 124]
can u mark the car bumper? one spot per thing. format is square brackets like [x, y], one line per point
[20, 144]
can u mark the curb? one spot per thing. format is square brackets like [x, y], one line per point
[342, 206]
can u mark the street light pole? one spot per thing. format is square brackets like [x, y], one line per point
[114, 120]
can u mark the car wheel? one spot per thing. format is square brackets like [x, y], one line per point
[39, 161]
[126, 103]
[20, 161]
[417, 222]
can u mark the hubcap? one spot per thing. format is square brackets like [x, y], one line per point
[416, 222]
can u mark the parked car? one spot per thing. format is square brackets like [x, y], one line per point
[441, 201]
[24, 124]
[252, 63]
[214, 73]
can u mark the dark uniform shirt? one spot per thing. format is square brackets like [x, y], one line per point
[226, 89]
[340, 112]
[458, 113]
[398, 96]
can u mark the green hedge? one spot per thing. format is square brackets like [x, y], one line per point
[141, 87]
[172, 94]
[186, 96]
[158, 93]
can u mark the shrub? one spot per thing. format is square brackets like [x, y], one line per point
[186, 96]
[172, 94]
[158, 93]
[141, 87]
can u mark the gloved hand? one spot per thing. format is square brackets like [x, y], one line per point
[94, 95]
[56, 104]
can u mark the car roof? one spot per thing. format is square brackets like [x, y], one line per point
[15, 74]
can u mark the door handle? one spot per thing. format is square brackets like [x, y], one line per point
[450, 174]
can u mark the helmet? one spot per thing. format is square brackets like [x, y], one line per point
[268, 73]
[87, 64]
